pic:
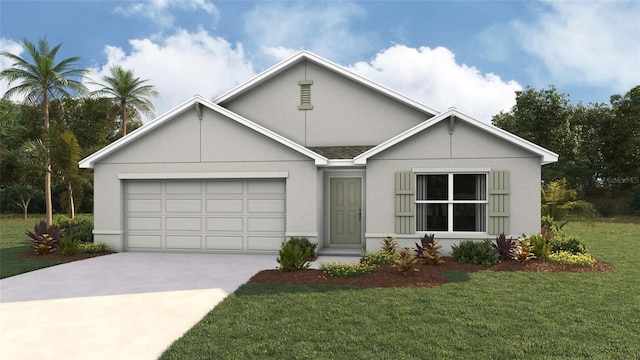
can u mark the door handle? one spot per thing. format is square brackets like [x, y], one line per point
[360, 214]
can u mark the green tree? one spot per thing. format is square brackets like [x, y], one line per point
[131, 94]
[559, 202]
[620, 137]
[41, 81]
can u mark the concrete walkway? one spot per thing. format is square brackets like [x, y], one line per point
[120, 306]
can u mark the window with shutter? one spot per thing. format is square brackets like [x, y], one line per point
[498, 202]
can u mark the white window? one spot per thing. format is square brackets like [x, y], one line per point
[451, 202]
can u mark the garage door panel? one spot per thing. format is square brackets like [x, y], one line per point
[225, 242]
[144, 223]
[266, 205]
[264, 242]
[184, 187]
[225, 224]
[184, 205]
[225, 205]
[141, 205]
[265, 187]
[144, 187]
[183, 242]
[263, 224]
[183, 224]
[149, 242]
[205, 215]
[225, 187]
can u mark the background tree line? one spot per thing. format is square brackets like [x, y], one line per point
[59, 122]
[598, 144]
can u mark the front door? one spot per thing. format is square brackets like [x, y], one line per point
[346, 211]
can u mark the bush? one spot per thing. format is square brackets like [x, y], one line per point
[346, 270]
[308, 248]
[44, 238]
[570, 243]
[292, 258]
[475, 252]
[78, 229]
[429, 250]
[379, 257]
[522, 251]
[541, 245]
[406, 260]
[504, 247]
[389, 244]
[567, 258]
[92, 248]
[634, 200]
[68, 247]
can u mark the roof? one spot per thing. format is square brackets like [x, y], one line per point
[303, 55]
[195, 102]
[546, 156]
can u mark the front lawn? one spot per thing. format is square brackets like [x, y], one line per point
[14, 242]
[480, 315]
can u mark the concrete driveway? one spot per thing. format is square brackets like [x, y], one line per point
[120, 306]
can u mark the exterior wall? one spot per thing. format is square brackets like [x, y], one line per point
[214, 145]
[467, 148]
[344, 112]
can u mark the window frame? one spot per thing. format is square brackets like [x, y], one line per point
[450, 201]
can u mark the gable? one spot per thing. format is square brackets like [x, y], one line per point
[344, 110]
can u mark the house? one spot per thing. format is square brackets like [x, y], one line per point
[310, 149]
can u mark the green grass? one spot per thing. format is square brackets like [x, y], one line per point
[481, 315]
[14, 242]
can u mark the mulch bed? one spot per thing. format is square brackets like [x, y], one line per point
[427, 275]
[55, 256]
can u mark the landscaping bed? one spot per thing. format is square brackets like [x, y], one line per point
[427, 276]
[56, 256]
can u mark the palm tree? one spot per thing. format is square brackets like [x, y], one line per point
[129, 92]
[41, 81]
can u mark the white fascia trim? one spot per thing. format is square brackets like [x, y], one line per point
[206, 175]
[340, 163]
[546, 156]
[450, 170]
[305, 54]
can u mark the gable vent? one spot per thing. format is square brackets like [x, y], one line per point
[305, 94]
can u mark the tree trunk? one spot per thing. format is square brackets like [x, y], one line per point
[47, 175]
[72, 208]
[124, 119]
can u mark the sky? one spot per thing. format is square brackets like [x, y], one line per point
[472, 55]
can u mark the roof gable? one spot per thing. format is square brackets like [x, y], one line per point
[196, 102]
[452, 115]
[320, 61]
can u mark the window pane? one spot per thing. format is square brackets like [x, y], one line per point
[432, 187]
[469, 217]
[469, 187]
[431, 217]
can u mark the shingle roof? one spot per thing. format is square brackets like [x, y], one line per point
[340, 152]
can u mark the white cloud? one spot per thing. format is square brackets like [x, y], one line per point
[160, 11]
[12, 47]
[182, 65]
[326, 28]
[586, 43]
[434, 78]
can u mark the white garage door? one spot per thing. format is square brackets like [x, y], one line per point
[209, 215]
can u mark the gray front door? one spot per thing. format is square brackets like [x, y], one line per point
[346, 211]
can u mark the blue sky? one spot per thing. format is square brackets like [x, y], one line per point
[469, 54]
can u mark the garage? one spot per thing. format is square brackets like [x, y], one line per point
[235, 215]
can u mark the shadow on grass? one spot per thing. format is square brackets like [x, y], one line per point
[456, 276]
[12, 264]
[250, 289]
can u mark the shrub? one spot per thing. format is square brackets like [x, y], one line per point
[406, 260]
[522, 251]
[568, 258]
[504, 247]
[308, 248]
[541, 245]
[389, 244]
[92, 248]
[548, 223]
[292, 258]
[379, 257]
[44, 238]
[633, 198]
[570, 243]
[429, 250]
[346, 269]
[79, 229]
[68, 247]
[475, 252]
